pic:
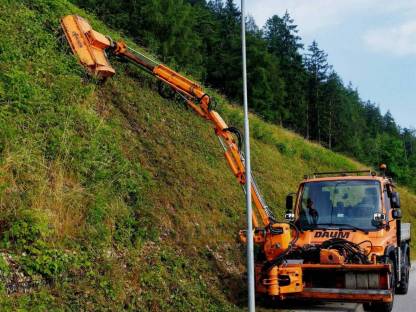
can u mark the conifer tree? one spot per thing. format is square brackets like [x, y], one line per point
[317, 67]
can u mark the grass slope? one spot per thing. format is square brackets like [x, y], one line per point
[113, 198]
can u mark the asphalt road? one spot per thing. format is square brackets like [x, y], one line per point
[402, 303]
[407, 303]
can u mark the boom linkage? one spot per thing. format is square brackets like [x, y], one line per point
[90, 47]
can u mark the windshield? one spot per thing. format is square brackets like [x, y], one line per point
[340, 204]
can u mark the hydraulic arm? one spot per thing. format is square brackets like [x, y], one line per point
[91, 48]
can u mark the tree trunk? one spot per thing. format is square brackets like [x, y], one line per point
[330, 126]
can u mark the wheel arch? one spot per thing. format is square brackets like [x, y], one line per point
[391, 253]
[406, 249]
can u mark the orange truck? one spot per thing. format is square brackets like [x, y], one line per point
[349, 242]
[342, 238]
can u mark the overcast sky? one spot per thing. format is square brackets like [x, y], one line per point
[371, 43]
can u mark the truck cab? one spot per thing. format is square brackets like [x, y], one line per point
[355, 208]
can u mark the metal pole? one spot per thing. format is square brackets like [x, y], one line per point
[250, 247]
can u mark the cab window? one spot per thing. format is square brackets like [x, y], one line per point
[340, 204]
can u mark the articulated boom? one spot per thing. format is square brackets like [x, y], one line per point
[91, 46]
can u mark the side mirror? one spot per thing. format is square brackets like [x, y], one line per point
[379, 217]
[290, 216]
[289, 203]
[396, 213]
[395, 200]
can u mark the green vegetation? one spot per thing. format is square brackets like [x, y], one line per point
[113, 198]
[290, 85]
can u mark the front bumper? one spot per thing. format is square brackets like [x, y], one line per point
[331, 282]
[352, 295]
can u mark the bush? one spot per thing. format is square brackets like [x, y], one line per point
[27, 228]
[285, 149]
[261, 132]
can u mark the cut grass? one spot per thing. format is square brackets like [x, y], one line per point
[113, 198]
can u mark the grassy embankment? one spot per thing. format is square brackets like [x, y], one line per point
[112, 197]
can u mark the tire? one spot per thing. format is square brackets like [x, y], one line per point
[380, 307]
[403, 287]
[383, 306]
[271, 302]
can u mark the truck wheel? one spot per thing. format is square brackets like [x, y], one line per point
[404, 283]
[379, 306]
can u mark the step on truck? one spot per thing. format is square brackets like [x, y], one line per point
[342, 239]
